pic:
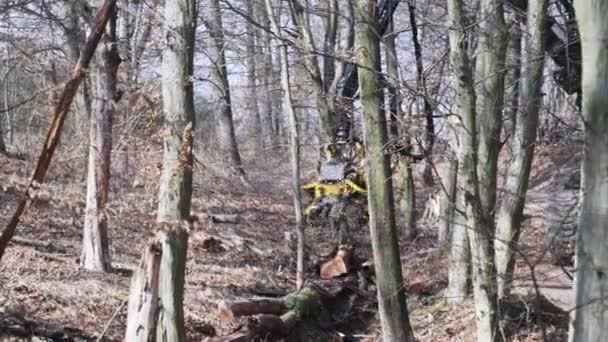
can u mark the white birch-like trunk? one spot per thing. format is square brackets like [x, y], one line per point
[591, 321]
[95, 244]
[510, 213]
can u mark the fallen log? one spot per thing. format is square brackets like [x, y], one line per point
[33, 243]
[227, 311]
[224, 218]
[270, 318]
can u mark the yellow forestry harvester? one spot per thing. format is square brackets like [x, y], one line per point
[339, 193]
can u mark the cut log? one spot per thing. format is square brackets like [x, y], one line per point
[228, 240]
[340, 264]
[224, 218]
[34, 243]
[229, 310]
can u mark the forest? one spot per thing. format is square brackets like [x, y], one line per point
[303, 170]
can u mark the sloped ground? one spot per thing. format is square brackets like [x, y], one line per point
[59, 294]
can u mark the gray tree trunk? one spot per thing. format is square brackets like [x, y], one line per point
[510, 213]
[221, 87]
[447, 201]
[156, 299]
[95, 245]
[491, 57]
[407, 203]
[480, 226]
[391, 295]
[265, 70]
[591, 322]
[329, 118]
[514, 74]
[294, 142]
[459, 272]
[252, 75]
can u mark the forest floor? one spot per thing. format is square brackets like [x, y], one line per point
[42, 286]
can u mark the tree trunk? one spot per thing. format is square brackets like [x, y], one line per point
[479, 225]
[391, 295]
[591, 322]
[265, 69]
[459, 250]
[407, 203]
[510, 213]
[294, 142]
[492, 49]
[513, 75]
[252, 75]
[156, 300]
[429, 136]
[447, 201]
[95, 246]
[221, 87]
[328, 115]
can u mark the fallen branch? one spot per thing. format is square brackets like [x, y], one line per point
[34, 243]
[61, 111]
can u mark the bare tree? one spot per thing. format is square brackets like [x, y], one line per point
[510, 213]
[157, 290]
[95, 245]
[391, 295]
[212, 19]
[294, 142]
[478, 149]
[591, 285]
[407, 204]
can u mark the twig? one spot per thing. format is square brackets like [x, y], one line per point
[107, 326]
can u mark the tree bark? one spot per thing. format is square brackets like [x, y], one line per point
[429, 136]
[221, 87]
[447, 201]
[491, 57]
[407, 203]
[252, 75]
[510, 213]
[459, 272]
[329, 117]
[95, 245]
[294, 144]
[391, 295]
[592, 244]
[156, 300]
[513, 74]
[479, 225]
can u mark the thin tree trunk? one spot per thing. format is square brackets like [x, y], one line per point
[591, 322]
[407, 203]
[331, 33]
[95, 245]
[429, 135]
[391, 295]
[330, 119]
[479, 226]
[252, 75]
[221, 87]
[294, 142]
[157, 290]
[265, 70]
[510, 213]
